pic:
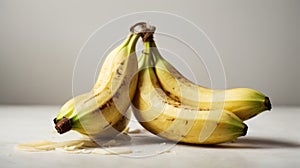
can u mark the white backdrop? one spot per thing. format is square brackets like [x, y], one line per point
[258, 42]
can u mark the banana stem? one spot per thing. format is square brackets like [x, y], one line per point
[155, 52]
[144, 29]
[133, 42]
[62, 126]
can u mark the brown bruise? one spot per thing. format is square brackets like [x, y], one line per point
[170, 119]
[119, 72]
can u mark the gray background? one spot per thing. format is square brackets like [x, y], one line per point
[258, 42]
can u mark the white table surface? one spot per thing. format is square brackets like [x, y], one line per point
[273, 140]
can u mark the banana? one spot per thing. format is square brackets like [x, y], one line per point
[170, 119]
[102, 112]
[244, 102]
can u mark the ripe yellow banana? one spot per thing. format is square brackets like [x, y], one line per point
[244, 102]
[102, 112]
[168, 118]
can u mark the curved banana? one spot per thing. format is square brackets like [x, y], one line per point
[102, 112]
[168, 118]
[244, 102]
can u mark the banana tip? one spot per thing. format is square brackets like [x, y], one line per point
[245, 130]
[62, 126]
[268, 103]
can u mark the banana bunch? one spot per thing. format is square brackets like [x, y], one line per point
[171, 106]
[166, 117]
[164, 102]
[102, 112]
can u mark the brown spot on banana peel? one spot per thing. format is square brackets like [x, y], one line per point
[170, 119]
[177, 98]
[203, 109]
[177, 106]
[167, 93]
[107, 104]
[118, 72]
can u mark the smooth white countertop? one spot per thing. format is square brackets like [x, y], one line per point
[273, 140]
